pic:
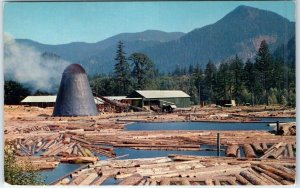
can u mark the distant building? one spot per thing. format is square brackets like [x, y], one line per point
[226, 103]
[40, 101]
[48, 101]
[160, 98]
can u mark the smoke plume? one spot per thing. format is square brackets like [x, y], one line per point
[28, 66]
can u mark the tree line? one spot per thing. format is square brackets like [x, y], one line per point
[267, 79]
[264, 80]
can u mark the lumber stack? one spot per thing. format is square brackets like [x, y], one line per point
[190, 171]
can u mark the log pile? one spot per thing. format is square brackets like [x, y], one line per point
[39, 163]
[185, 170]
[71, 148]
[288, 129]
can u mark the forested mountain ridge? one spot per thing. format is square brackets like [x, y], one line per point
[97, 55]
[238, 33]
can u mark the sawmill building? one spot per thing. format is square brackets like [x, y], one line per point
[160, 98]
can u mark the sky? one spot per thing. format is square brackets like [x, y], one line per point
[65, 22]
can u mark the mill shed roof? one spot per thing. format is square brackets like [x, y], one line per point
[162, 94]
[50, 98]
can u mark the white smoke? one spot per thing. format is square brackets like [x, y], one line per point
[26, 65]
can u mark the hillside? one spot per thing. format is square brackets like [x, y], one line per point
[85, 52]
[239, 32]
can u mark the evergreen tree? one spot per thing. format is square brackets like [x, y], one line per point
[249, 78]
[223, 82]
[191, 69]
[143, 70]
[14, 92]
[236, 68]
[264, 66]
[198, 78]
[210, 80]
[122, 70]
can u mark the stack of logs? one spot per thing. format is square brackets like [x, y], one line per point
[69, 148]
[186, 140]
[254, 150]
[185, 170]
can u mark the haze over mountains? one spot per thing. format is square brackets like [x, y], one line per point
[239, 32]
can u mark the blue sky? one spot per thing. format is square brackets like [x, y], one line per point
[62, 22]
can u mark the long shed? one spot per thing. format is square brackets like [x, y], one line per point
[48, 101]
[160, 98]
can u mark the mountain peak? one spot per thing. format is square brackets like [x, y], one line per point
[250, 14]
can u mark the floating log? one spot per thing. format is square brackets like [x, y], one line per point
[142, 182]
[252, 178]
[257, 174]
[100, 180]
[284, 182]
[132, 180]
[232, 151]
[155, 145]
[78, 179]
[209, 182]
[270, 179]
[232, 182]
[79, 159]
[242, 180]
[75, 150]
[217, 182]
[290, 151]
[287, 176]
[284, 169]
[249, 152]
[264, 147]
[81, 150]
[258, 149]
[277, 153]
[185, 182]
[165, 181]
[153, 182]
[81, 140]
[273, 176]
[272, 149]
[91, 177]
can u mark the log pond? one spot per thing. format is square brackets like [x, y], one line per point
[262, 125]
[63, 168]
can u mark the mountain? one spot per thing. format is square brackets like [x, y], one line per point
[239, 32]
[80, 51]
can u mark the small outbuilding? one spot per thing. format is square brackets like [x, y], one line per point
[160, 98]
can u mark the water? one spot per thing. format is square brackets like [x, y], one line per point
[274, 119]
[134, 154]
[140, 126]
[197, 126]
[61, 170]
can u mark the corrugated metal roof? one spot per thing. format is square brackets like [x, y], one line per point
[155, 94]
[50, 98]
[117, 98]
[32, 99]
